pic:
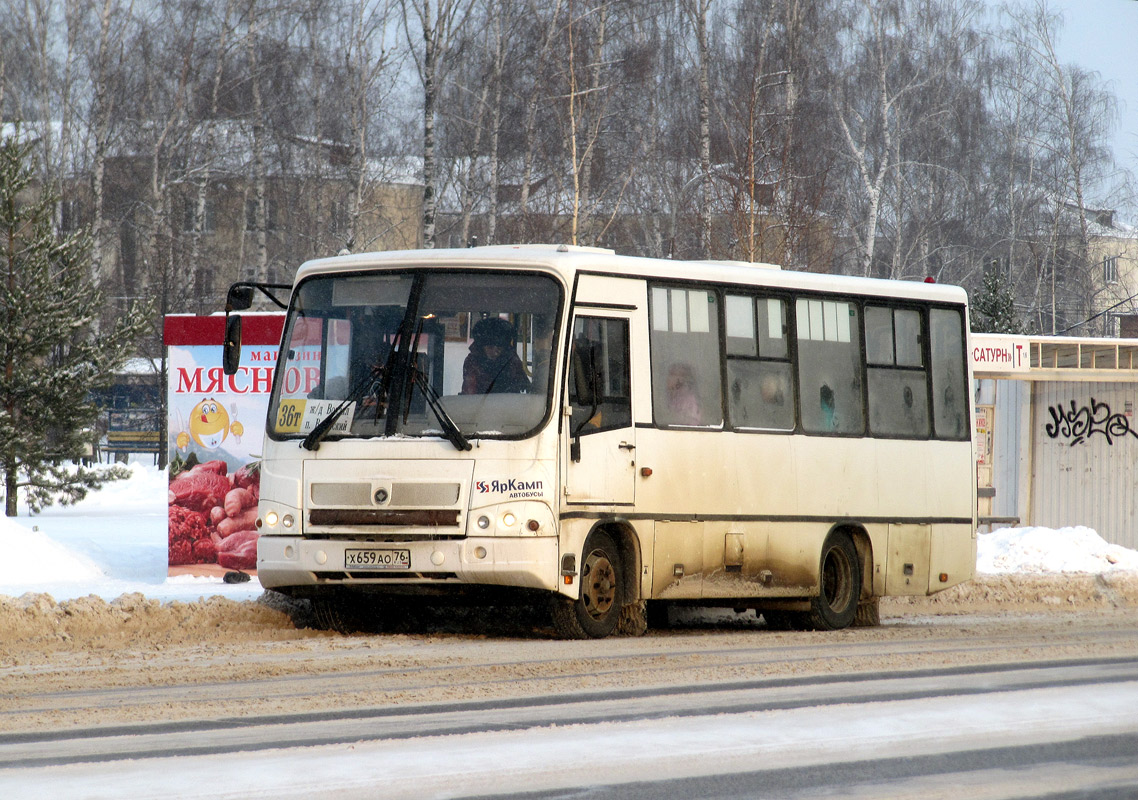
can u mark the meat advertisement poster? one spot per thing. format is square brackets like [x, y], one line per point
[215, 427]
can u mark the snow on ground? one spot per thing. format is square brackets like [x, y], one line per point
[114, 543]
[1046, 550]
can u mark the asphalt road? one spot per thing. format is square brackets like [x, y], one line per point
[976, 706]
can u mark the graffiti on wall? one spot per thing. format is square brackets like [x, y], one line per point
[1079, 424]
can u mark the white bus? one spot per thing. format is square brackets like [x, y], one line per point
[617, 434]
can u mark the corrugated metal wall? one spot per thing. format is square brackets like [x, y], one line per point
[1009, 444]
[1084, 453]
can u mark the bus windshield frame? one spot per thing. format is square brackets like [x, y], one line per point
[452, 353]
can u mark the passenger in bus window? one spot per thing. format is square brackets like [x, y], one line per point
[773, 390]
[683, 397]
[829, 413]
[493, 365]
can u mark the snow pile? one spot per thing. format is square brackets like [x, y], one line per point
[1047, 550]
[110, 544]
[32, 558]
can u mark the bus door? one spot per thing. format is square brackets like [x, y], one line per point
[600, 437]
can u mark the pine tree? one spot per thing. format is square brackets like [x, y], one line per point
[51, 355]
[993, 307]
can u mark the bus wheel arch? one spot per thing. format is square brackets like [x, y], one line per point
[609, 597]
[868, 614]
[634, 613]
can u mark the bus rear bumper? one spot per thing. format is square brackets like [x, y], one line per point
[292, 561]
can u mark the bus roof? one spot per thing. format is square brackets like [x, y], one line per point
[569, 260]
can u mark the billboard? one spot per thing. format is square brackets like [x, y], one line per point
[215, 426]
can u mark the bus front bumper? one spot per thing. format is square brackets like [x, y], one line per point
[529, 562]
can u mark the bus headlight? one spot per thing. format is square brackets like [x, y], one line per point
[271, 519]
[286, 520]
[508, 519]
[484, 522]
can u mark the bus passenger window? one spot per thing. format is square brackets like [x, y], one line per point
[829, 367]
[759, 394]
[950, 398]
[686, 383]
[898, 383]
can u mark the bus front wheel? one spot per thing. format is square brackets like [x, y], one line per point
[340, 613]
[597, 611]
[839, 585]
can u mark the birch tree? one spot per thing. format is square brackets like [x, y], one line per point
[1064, 118]
[105, 67]
[430, 27]
[371, 67]
[697, 12]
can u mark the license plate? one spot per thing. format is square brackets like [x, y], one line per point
[377, 558]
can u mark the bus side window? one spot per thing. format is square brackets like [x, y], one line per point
[829, 366]
[759, 394]
[686, 381]
[898, 383]
[950, 397]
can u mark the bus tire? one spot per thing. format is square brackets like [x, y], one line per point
[337, 613]
[596, 613]
[839, 585]
[633, 619]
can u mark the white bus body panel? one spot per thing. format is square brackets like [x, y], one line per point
[710, 514]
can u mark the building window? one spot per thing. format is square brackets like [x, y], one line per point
[251, 215]
[189, 212]
[1110, 269]
[69, 215]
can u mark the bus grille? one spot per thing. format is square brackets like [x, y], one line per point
[402, 495]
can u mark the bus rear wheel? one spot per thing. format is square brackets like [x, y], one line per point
[597, 611]
[839, 585]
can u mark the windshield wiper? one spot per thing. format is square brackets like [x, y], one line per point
[369, 382]
[450, 429]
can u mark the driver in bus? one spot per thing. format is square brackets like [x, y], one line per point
[493, 365]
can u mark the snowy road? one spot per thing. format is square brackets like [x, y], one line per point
[982, 707]
[1033, 729]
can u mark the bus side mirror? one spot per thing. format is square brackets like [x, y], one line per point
[239, 298]
[231, 352]
[584, 375]
[586, 389]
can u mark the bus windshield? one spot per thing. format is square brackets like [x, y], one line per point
[417, 353]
